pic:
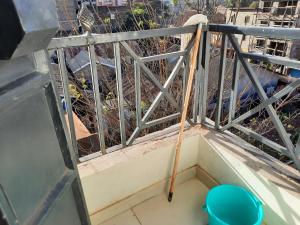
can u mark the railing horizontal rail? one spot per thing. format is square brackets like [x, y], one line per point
[273, 59]
[262, 139]
[92, 39]
[271, 32]
[162, 56]
[162, 120]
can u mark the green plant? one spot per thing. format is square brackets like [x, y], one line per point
[253, 5]
[106, 20]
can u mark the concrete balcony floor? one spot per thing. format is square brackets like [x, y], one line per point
[184, 209]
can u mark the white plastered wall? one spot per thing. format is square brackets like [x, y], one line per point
[117, 181]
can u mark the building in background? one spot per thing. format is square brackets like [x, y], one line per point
[242, 17]
[278, 14]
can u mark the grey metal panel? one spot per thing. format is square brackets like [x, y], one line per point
[35, 152]
[271, 32]
[61, 214]
[9, 216]
[26, 28]
[117, 37]
[18, 128]
[26, 131]
[10, 72]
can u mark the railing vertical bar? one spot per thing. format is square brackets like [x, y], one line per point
[95, 82]
[205, 78]
[221, 81]
[120, 92]
[197, 83]
[65, 81]
[137, 82]
[201, 80]
[234, 89]
[196, 95]
[200, 104]
[185, 76]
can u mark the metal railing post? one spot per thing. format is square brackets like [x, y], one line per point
[97, 97]
[120, 92]
[205, 78]
[234, 89]
[197, 89]
[137, 85]
[65, 81]
[221, 81]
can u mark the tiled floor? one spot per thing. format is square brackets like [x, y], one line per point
[184, 209]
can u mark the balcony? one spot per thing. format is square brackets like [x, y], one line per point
[88, 123]
[126, 183]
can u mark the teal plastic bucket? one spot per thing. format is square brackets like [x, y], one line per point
[232, 205]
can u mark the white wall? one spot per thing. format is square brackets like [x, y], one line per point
[117, 181]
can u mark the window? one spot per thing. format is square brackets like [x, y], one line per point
[277, 48]
[283, 24]
[267, 6]
[264, 23]
[288, 3]
[260, 43]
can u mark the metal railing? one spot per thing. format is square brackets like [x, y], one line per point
[228, 35]
[199, 112]
[119, 39]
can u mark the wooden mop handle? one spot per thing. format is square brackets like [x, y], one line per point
[185, 108]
